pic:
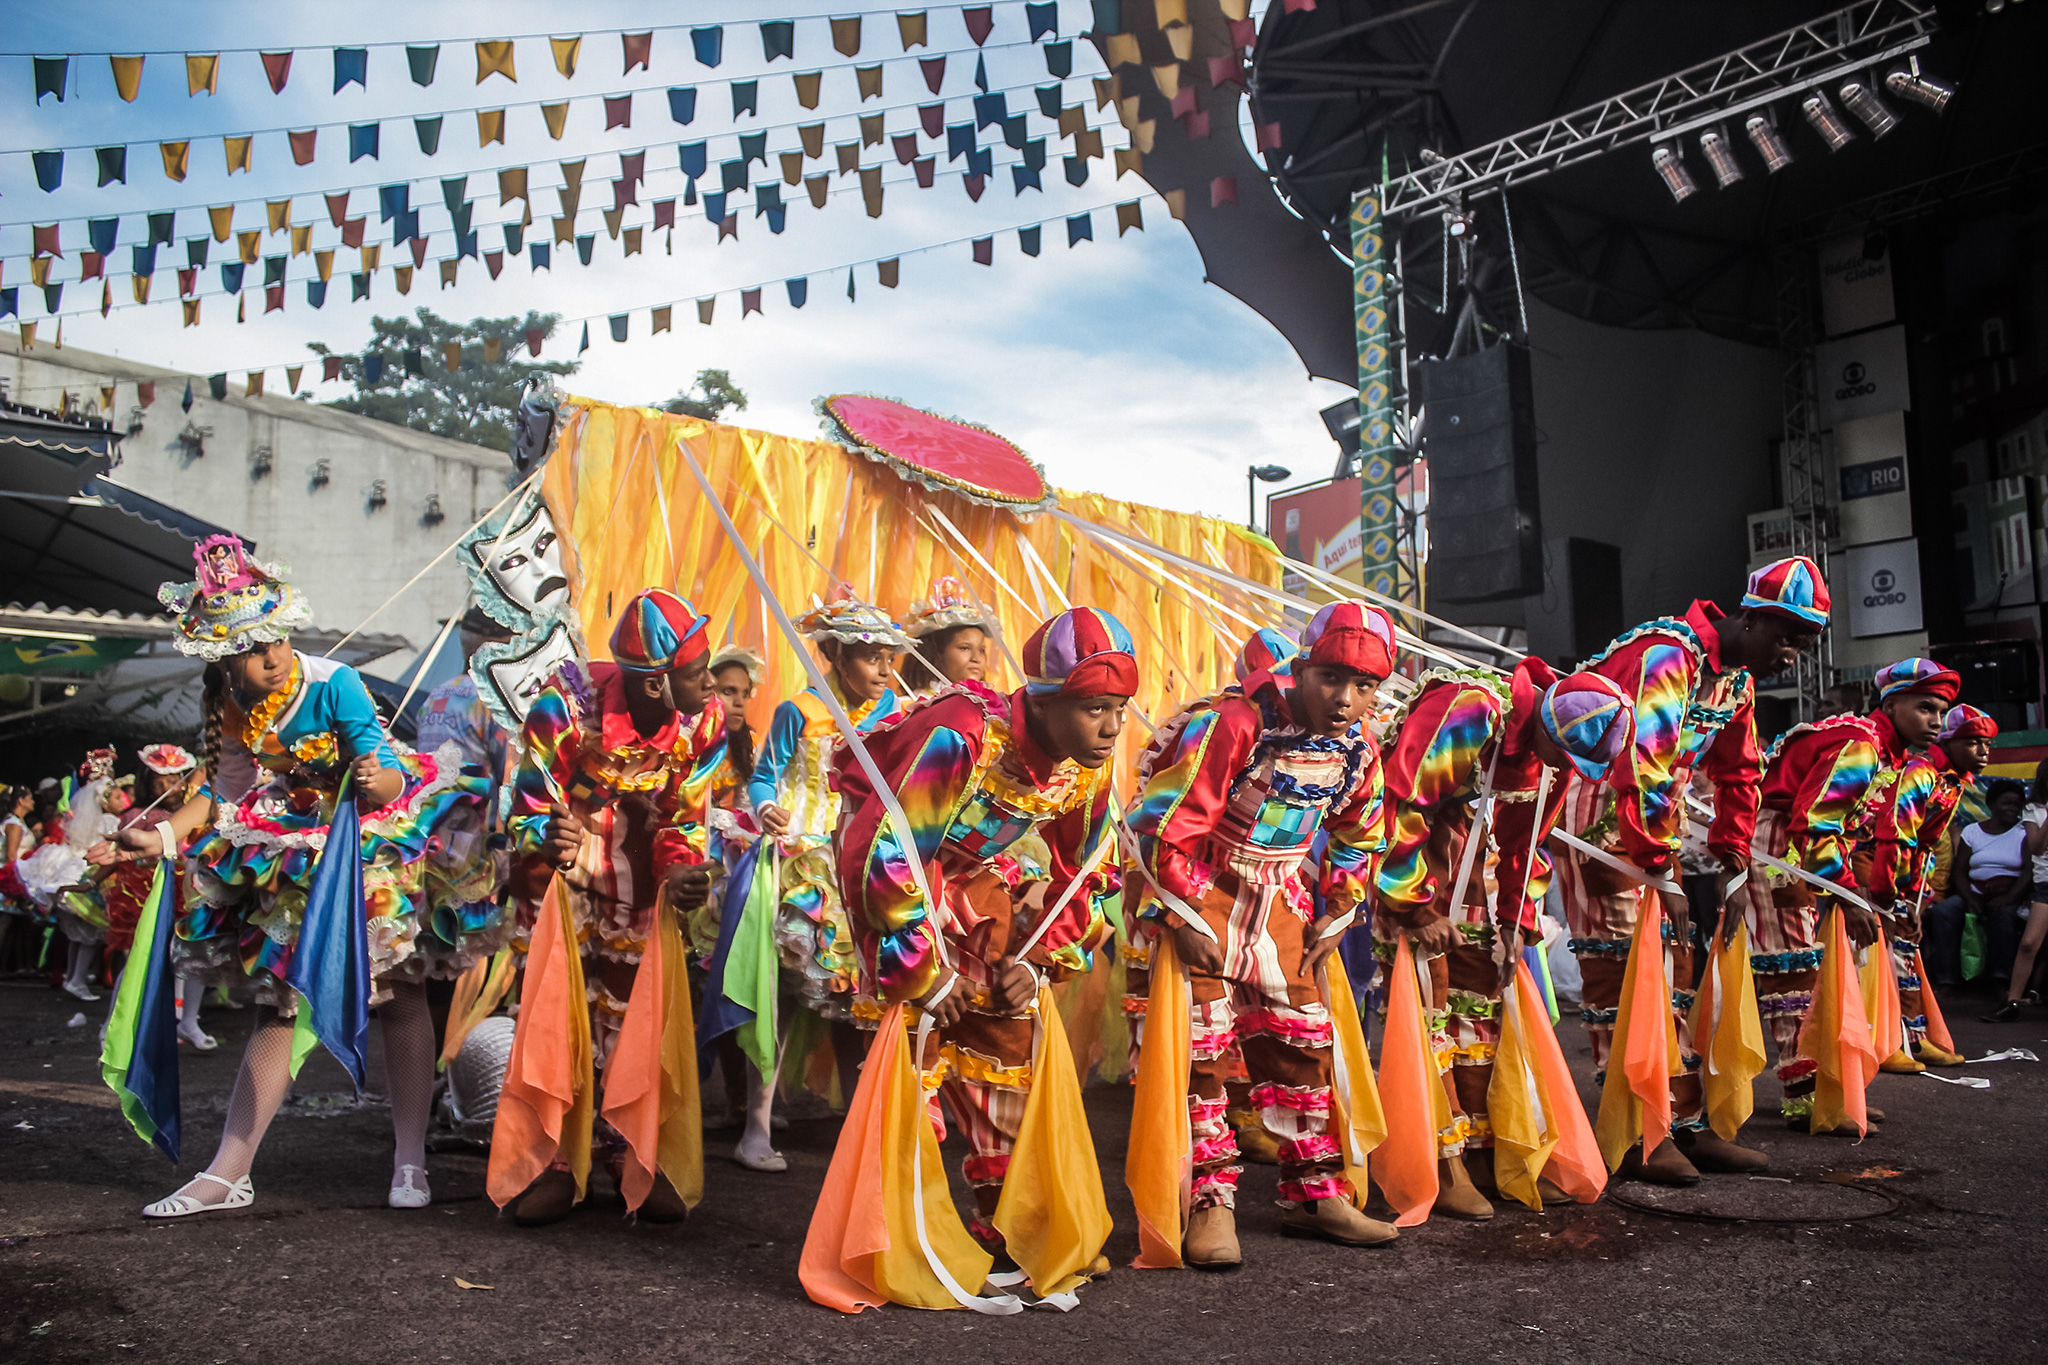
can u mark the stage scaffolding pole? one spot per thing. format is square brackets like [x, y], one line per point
[1381, 538]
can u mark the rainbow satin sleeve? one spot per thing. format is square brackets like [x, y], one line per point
[1734, 763]
[547, 747]
[1649, 803]
[892, 921]
[1177, 807]
[1429, 763]
[1840, 771]
[1896, 862]
[778, 747]
[1072, 837]
[1357, 840]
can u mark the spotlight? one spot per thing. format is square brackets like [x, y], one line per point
[1714, 147]
[1863, 102]
[1826, 121]
[1677, 178]
[1908, 83]
[1764, 137]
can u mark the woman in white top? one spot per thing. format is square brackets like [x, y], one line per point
[2035, 821]
[1991, 868]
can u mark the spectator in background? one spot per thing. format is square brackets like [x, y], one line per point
[1990, 878]
[2035, 822]
[1846, 699]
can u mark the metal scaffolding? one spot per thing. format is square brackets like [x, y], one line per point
[1804, 454]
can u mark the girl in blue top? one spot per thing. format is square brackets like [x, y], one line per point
[281, 730]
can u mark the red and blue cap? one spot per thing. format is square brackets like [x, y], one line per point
[657, 631]
[1082, 652]
[1965, 721]
[1350, 635]
[1590, 718]
[1268, 651]
[1917, 675]
[1791, 587]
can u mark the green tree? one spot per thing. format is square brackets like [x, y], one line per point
[713, 395]
[474, 400]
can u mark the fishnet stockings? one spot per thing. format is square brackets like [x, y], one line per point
[260, 1087]
[409, 1070]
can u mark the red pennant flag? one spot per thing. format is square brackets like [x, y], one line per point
[984, 251]
[302, 146]
[729, 226]
[926, 168]
[638, 47]
[975, 185]
[1243, 33]
[94, 266]
[188, 280]
[618, 112]
[932, 118]
[330, 369]
[934, 69]
[494, 261]
[1226, 70]
[750, 301]
[1184, 101]
[278, 67]
[419, 251]
[979, 23]
[273, 299]
[352, 232]
[1269, 137]
[533, 340]
[145, 392]
[46, 243]
[664, 213]
[633, 166]
[337, 208]
[906, 148]
[624, 192]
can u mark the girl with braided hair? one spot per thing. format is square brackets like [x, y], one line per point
[285, 735]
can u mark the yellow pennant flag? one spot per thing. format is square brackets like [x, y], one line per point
[191, 312]
[223, 220]
[556, 116]
[127, 77]
[238, 153]
[280, 214]
[1158, 1160]
[1358, 1120]
[494, 59]
[490, 126]
[177, 157]
[302, 240]
[202, 73]
[566, 52]
[1052, 1214]
[1729, 1032]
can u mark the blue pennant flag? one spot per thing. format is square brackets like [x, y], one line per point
[139, 1060]
[330, 967]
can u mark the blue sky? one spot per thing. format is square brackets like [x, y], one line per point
[1111, 363]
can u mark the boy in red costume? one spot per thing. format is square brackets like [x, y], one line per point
[1235, 789]
[1820, 778]
[1691, 679]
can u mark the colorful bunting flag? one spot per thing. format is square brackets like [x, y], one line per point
[362, 141]
[869, 80]
[778, 39]
[556, 116]
[980, 22]
[49, 170]
[682, 103]
[1030, 239]
[428, 131]
[660, 320]
[490, 127]
[846, 36]
[746, 98]
[539, 257]
[127, 77]
[750, 301]
[984, 250]
[113, 165]
[302, 145]
[638, 48]
[237, 149]
[1080, 228]
[495, 59]
[1044, 19]
[1059, 59]
[1129, 218]
[708, 45]
[934, 71]
[421, 61]
[704, 307]
[911, 29]
[201, 73]
[351, 67]
[618, 112]
[566, 51]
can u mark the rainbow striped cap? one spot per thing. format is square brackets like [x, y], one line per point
[656, 631]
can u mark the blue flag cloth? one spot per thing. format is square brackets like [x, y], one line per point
[392, 200]
[49, 169]
[1080, 228]
[799, 291]
[330, 967]
[708, 44]
[693, 159]
[1024, 178]
[163, 227]
[421, 61]
[778, 39]
[1049, 100]
[754, 147]
[682, 103]
[230, 282]
[102, 232]
[1059, 59]
[362, 141]
[1044, 19]
[959, 140]
[540, 256]
[10, 302]
[720, 1015]
[351, 67]
[990, 110]
[139, 1060]
[1028, 239]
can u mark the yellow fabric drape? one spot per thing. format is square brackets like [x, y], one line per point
[478, 993]
[1052, 1214]
[1836, 1034]
[549, 1098]
[1635, 1101]
[816, 514]
[1732, 1045]
[650, 1084]
[1358, 1122]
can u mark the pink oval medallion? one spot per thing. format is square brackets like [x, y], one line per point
[939, 452]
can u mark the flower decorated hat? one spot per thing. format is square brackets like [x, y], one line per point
[948, 606]
[167, 760]
[850, 621]
[235, 603]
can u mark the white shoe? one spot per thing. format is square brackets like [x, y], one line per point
[241, 1194]
[409, 1188]
[191, 1033]
[770, 1161]
[80, 992]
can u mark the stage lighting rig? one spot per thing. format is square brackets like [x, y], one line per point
[1826, 121]
[1720, 157]
[1769, 144]
[1908, 82]
[1676, 177]
[1871, 111]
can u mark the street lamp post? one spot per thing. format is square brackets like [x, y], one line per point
[1254, 475]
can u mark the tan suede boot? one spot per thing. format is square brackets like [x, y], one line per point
[663, 1203]
[1211, 1240]
[1334, 1220]
[1902, 1063]
[1456, 1195]
[1254, 1143]
[1666, 1166]
[1934, 1054]
[1709, 1151]
[1550, 1194]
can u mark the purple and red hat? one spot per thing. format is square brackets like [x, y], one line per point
[1965, 721]
[1585, 714]
[1917, 675]
[1350, 635]
[1081, 652]
[1791, 587]
[1268, 651]
[657, 631]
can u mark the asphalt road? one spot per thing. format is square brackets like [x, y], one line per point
[1944, 1265]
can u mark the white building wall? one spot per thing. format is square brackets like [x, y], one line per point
[347, 556]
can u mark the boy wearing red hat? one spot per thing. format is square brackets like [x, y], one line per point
[1814, 796]
[976, 771]
[1506, 746]
[1913, 819]
[1235, 790]
[1691, 679]
[605, 796]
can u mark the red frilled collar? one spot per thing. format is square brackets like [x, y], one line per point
[616, 729]
[1705, 619]
[1037, 764]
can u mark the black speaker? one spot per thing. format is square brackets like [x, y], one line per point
[1479, 434]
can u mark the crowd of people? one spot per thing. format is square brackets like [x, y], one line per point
[889, 892]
